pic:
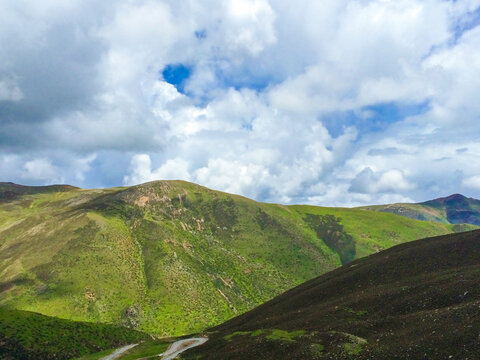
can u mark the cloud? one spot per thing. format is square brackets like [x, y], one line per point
[334, 102]
[40, 169]
[472, 182]
[141, 164]
[9, 90]
[368, 182]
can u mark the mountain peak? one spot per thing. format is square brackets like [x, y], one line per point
[452, 197]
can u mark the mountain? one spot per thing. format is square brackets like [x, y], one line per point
[171, 257]
[454, 209]
[418, 300]
[10, 191]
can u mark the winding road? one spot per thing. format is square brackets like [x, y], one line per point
[118, 352]
[182, 345]
[172, 352]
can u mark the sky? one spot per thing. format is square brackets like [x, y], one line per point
[332, 102]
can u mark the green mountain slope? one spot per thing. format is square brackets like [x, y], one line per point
[26, 335]
[171, 257]
[10, 191]
[414, 301]
[454, 209]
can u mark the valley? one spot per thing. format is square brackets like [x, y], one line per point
[171, 258]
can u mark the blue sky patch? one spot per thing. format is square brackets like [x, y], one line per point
[244, 79]
[468, 22]
[393, 112]
[176, 74]
[372, 118]
[201, 34]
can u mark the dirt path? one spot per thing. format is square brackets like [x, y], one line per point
[118, 352]
[182, 345]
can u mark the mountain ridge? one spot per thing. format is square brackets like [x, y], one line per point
[172, 257]
[10, 190]
[452, 209]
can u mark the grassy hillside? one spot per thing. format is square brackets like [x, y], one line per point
[171, 257]
[10, 191]
[454, 209]
[27, 335]
[414, 301]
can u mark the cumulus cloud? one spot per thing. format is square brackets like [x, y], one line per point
[368, 182]
[336, 102]
[472, 182]
[40, 169]
[141, 165]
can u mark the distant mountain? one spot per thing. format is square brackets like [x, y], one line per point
[454, 209]
[414, 301]
[171, 257]
[10, 191]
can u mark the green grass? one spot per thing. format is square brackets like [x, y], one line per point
[286, 336]
[97, 355]
[270, 334]
[352, 348]
[241, 333]
[27, 335]
[317, 349]
[172, 257]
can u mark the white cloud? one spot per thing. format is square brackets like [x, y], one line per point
[283, 103]
[252, 22]
[10, 90]
[40, 169]
[141, 164]
[368, 182]
[472, 182]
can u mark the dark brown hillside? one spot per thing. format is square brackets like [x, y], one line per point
[419, 300]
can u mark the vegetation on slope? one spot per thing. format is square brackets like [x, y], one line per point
[27, 335]
[10, 191]
[171, 257]
[414, 301]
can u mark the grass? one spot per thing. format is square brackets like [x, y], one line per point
[171, 257]
[27, 335]
[241, 333]
[352, 348]
[270, 334]
[286, 336]
[97, 355]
